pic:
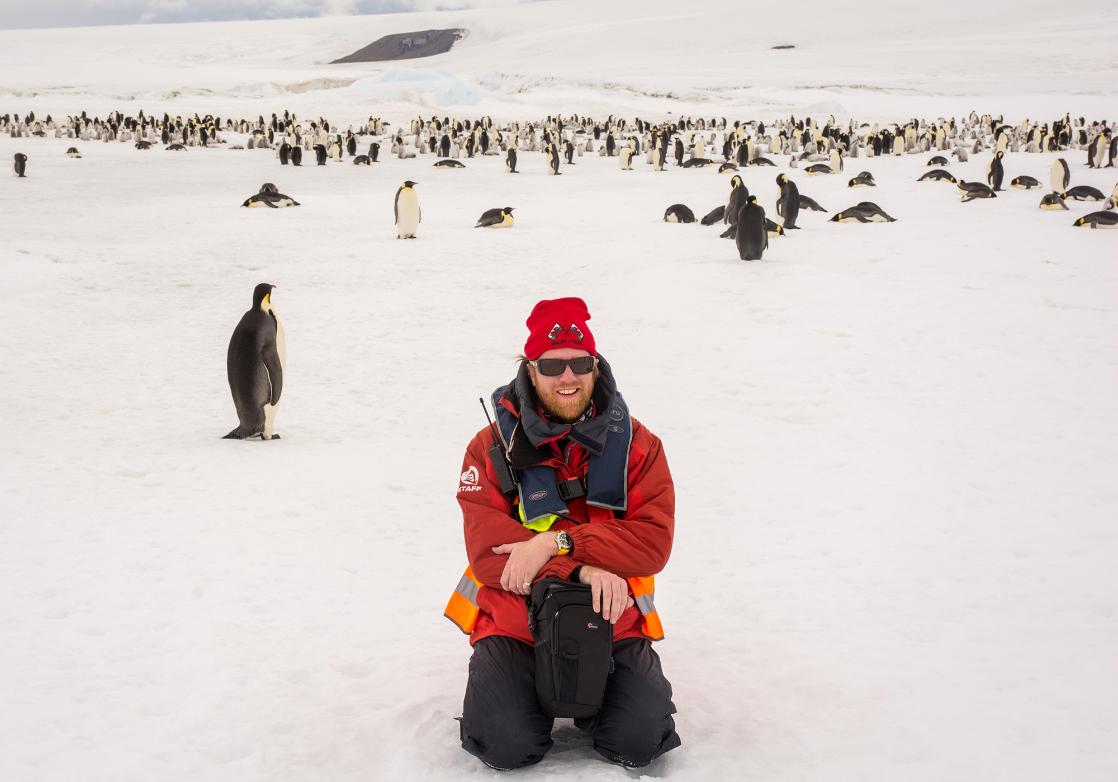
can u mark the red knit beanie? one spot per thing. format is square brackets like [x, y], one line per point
[558, 323]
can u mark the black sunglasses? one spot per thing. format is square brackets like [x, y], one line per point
[553, 367]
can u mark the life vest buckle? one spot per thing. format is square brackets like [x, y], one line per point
[571, 489]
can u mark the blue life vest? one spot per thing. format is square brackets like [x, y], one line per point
[607, 484]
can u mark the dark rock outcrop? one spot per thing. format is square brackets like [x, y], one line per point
[406, 46]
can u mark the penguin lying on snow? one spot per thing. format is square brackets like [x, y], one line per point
[141, 144]
[269, 196]
[864, 179]
[938, 175]
[361, 160]
[175, 148]
[255, 362]
[864, 212]
[973, 190]
[722, 169]
[938, 160]
[449, 164]
[1083, 193]
[810, 204]
[697, 162]
[714, 216]
[1097, 220]
[495, 218]
[1024, 182]
[678, 213]
[73, 152]
[1052, 201]
[818, 168]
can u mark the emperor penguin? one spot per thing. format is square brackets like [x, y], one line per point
[1112, 202]
[1061, 175]
[1053, 201]
[739, 194]
[269, 196]
[1025, 182]
[679, 213]
[1097, 220]
[1084, 193]
[72, 152]
[752, 237]
[495, 218]
[320, 154]
[296, 155]
[836, 159]
[510, 161]
[1095, 151]
[20, 167]
[255, 364]
[626, 158]
[995, 173]
[788, 203]
[553, 158]
[408, 214]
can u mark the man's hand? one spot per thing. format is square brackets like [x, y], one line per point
[610, 593]
[526, 559]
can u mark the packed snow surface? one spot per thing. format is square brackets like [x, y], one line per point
[894, 445]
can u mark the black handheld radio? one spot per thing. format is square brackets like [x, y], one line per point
[506, 479]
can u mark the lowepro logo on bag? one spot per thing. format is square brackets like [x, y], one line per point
[537, 495]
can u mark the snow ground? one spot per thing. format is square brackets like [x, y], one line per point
[893, 445]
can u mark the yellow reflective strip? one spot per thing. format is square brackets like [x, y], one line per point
[542, 524]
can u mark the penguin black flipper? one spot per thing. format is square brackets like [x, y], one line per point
[270, 354]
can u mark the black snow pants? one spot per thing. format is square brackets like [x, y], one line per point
[502, 723]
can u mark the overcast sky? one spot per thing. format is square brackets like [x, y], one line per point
[19, 14]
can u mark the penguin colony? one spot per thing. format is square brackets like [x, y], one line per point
[256, 355]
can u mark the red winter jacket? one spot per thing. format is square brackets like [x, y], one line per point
[638, 545]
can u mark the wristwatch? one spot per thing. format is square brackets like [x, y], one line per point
[564, 543]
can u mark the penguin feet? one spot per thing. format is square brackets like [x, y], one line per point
[236, 434]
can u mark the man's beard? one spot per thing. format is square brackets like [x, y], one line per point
[565, 409]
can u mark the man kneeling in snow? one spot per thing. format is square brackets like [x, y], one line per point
[587, 498]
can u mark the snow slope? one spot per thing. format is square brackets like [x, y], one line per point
[894, 445]
[587, 56]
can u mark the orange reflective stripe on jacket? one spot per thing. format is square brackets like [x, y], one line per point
[644, 589]
[462, 608]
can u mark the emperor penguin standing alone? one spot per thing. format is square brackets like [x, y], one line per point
[257, 354]
[408, 214]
